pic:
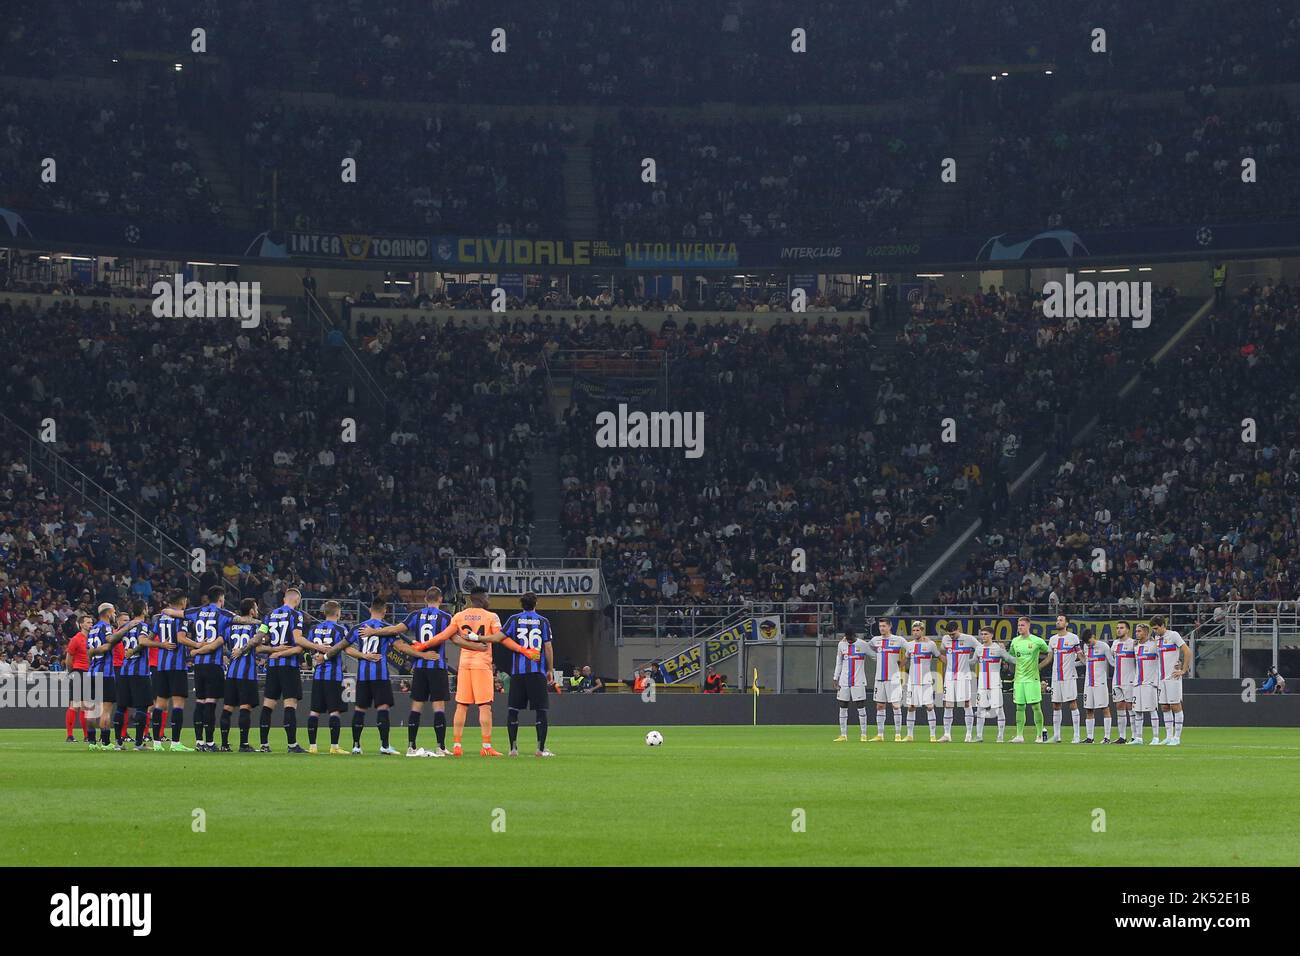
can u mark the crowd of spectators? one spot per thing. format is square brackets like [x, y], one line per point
[111, 158]
[1113, 165]
[233, 440]
[818, 438]
[665, 52]
[437, 173]
[757, 179]
[1186, 503]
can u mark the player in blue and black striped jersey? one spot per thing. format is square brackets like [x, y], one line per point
[529, 679]
[373, 686]
[99, 649]
[171, 635]
[133, 688]
[327, 678]
[210, 626]
[239, 688]
[286, 643]
[429, 672]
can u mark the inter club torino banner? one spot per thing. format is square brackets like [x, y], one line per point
[542, 582]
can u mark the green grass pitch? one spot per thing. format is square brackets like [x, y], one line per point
[708, 796]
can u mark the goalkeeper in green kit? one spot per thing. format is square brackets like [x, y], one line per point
[1027, 686]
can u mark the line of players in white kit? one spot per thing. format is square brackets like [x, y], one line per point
[1142, 672]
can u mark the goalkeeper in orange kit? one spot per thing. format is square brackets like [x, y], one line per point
[475, 630]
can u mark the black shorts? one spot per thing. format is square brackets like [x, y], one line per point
[135, 691]
[528, 692]
[429, 683]
[240, 691]
[170, 684]
[108, 695]
[374, 693]
[209, 681]
[327, 697]
[283, 683]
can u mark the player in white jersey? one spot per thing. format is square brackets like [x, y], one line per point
[1175, 661]
[850, 682]
[922, 655]
[1146, 682]
[958, 653]
[988, 683]
[1098, 658]
[1066, 651]
[888, 651]
[1125, 653]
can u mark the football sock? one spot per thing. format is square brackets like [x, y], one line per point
[1056, 725]
[543, 725]
[844, 720]
[245, 725]
[440, 728]
[200, 718]
[931, 717]
[1091, 723]
[1122, 717]
[412, 728]
[313, 724]
[1178, 725]
[1106, 723]
[862, 719]
[1002, 724]
[68, 718]
[1137, 725]
[291, 725]
[979, 726]
[225, 727]
[880, 722]
[178, 720]
[140, 718]
[264, 726]
[512, 725]
[911, 722]
[103, 736]
[947, 721]
[1074, 718]
[969, 716]
[336, 728]
[358, 721]
[156, 723]
[1039, 724]
[383, 720]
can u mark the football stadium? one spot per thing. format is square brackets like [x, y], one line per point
[719, 434]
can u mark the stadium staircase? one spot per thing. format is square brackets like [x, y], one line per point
[941, 202]
[579, 192]
[223, 186]
[71, 483]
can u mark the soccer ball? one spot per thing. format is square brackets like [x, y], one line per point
[654, 739]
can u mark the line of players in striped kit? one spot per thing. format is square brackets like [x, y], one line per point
[1143, 673]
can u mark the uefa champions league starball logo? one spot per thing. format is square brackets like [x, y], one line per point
[1204, 236]
[132, 234]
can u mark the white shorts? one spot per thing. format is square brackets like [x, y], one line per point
[990, 700]
[920, 695]
[1171, 691]
[888, 692]
[957, 691]
[1144, 698]
[846, 694]
[1122, 692]
[1065, 692]
[1096, 697]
